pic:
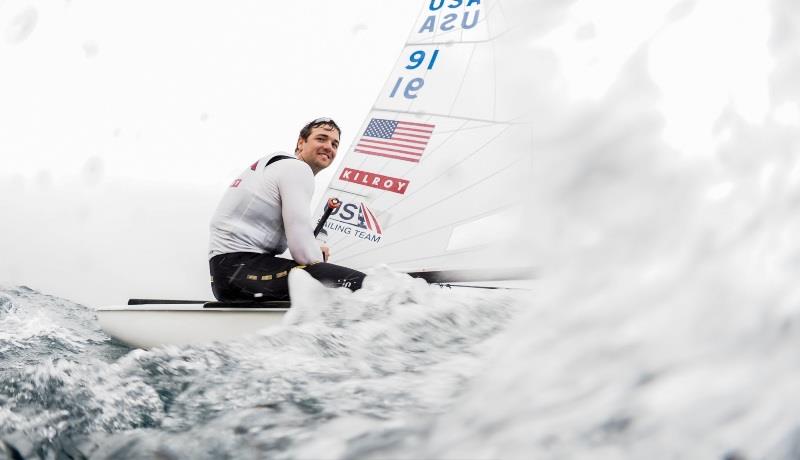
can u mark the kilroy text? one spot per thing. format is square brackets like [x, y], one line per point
[379, 181]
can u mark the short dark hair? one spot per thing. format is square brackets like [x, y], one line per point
[306, 131]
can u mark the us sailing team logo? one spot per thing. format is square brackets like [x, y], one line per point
[355, 219]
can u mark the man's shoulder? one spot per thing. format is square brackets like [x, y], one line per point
[288, 164]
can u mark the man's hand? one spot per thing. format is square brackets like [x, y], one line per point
[326, 252]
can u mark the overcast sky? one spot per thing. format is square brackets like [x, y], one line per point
[121, 123]
[159, 91]
[113, 111]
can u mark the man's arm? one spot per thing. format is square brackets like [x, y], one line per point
[296, 187]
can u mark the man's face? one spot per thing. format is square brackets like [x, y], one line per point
[320, 148]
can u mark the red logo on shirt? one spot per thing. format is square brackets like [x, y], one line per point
[379, 181]
[236, 183]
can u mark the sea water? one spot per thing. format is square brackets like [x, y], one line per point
[345, 375]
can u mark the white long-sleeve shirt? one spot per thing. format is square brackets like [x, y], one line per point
[266, 210]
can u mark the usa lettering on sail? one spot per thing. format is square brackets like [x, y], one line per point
[397, 139]
[449, 21]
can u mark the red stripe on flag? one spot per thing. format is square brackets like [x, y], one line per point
[402, 138]
[427, 125]
[412, 129]
[419, 136]
[396, 157]
[379, 144]
[386, 149]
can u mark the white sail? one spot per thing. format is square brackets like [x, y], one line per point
[431, 180]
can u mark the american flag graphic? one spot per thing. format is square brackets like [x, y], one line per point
[401, 140]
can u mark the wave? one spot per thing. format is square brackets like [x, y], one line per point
[397, 348]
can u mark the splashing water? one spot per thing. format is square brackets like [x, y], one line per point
[666, 323]
[396, 349]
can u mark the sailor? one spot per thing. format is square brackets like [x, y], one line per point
[264, 212]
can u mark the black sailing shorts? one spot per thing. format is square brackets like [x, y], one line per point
[251, 276]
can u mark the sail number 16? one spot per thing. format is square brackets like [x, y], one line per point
[410, 87]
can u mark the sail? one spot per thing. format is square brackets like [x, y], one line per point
[430, 182]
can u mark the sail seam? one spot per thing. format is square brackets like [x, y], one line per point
[460, 42]
[456, 117]
[463, 79]
[436, 178]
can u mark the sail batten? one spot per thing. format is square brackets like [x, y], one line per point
[519, 120]
[466, 42]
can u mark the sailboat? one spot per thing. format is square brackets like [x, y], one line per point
[427, 187]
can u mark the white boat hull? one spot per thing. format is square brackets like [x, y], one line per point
[148, 326]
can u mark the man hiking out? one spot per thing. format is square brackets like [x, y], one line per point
[264, 211]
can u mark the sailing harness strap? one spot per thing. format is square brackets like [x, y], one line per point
[277, 158]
